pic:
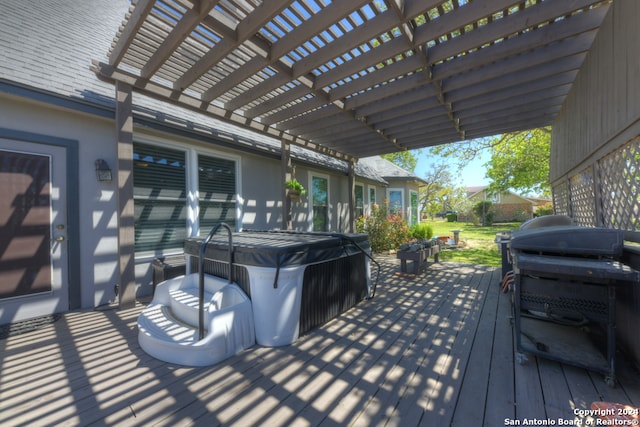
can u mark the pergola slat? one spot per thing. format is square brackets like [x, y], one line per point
[133, 25]
[316, 24]
[545, 55]
[358, 77]
[245, 29]
[583, 24]
[180, 32]
[360, 35]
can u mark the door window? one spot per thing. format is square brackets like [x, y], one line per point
[414, 208]
[320, 203]
[25, 212]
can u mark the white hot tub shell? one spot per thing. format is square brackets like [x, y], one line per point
[296, 281]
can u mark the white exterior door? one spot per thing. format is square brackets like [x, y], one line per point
[33, 225]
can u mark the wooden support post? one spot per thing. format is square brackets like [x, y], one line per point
[286, 167]
[126, 232]
[352, 197]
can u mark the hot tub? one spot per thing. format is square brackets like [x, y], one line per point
[296, 281]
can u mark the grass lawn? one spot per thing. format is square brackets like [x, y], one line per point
[477, 244]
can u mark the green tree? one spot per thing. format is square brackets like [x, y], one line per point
[440, 193]
[406, 159]
[519, 160]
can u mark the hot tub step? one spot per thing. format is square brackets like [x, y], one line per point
[158, 322]
[184, 304]
[167, 331]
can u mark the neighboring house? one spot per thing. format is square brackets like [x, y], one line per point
[57, 150]
[507, 205]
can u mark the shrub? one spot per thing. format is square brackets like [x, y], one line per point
[452, 217]
[544, 210]
[483, 211]
[385, 232]
[422, 231]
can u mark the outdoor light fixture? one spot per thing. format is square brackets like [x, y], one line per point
[103, 172]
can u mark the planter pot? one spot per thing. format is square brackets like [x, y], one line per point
[293, 194]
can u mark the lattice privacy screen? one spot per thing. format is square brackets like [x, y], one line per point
[619, 182]
[583, 198]
[609, 197]
[561, 200]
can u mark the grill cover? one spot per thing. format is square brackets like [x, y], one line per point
[587, 270]
[570, 241]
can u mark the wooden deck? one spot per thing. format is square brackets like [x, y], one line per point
[431, 350]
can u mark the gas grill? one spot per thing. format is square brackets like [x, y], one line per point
[565, 294]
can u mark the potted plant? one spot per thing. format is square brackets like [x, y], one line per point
[294, 189]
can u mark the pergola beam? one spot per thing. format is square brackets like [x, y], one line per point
[158, 91]
[345, 78]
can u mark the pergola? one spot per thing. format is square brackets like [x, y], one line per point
[355, 78]
[348, 78]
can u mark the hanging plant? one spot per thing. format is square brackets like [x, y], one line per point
[295, 190]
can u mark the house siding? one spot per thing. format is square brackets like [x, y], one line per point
[601, 116]
[97, 216]
[259, 189]
[604, 97]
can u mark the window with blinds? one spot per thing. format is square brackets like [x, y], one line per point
[413, 219]
[216, 192]
[359, 202]
[160, 197]
[160, 188]
[320, 203]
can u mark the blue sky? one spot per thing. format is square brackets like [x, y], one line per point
[470, 176]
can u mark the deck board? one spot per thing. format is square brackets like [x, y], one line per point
[474, 386]
[432, 349]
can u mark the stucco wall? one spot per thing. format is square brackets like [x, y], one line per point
[259, 189]
[97, 211]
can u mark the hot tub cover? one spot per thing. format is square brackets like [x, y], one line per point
[570, 240]
[278, 249]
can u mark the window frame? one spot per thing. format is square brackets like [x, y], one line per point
[192, 153]
[401, 211]
[369, 206]
[311, 224]
[238, 183]
[362, 207]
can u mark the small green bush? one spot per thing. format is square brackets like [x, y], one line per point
[422, 231]
[451, 217]
[544, 210]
